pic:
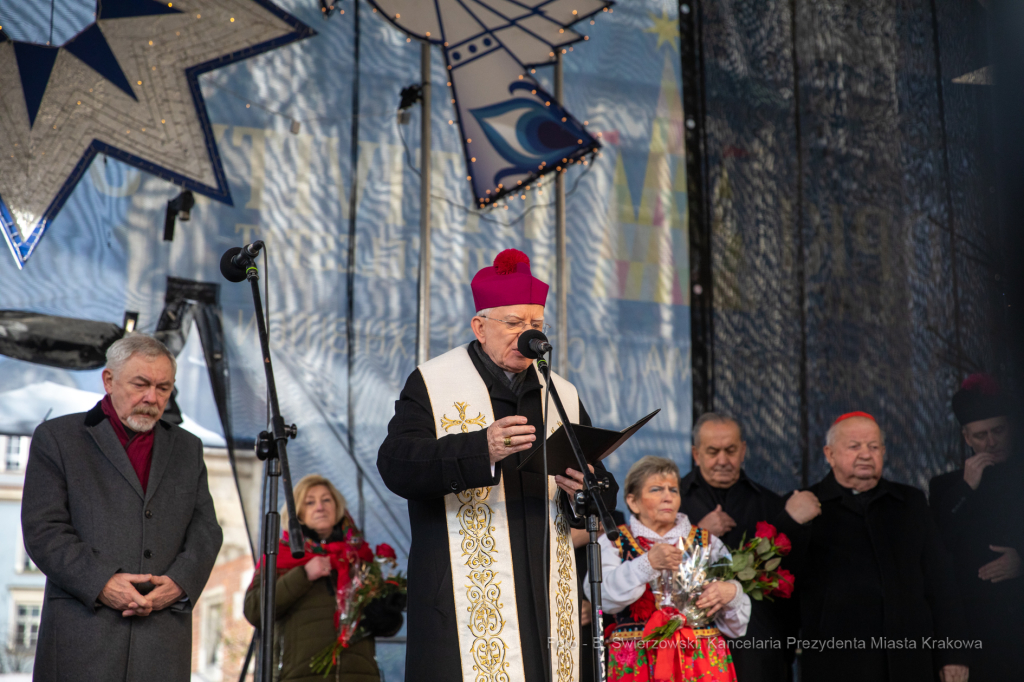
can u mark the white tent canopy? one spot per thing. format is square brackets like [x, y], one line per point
[25, 408]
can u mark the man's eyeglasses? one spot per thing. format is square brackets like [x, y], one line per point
[518, 326]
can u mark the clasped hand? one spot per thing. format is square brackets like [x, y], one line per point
[121, 595]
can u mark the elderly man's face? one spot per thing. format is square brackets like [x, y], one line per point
[857, 453]
[989, 435]
[499, 332]
[719, 453]
[140, 390]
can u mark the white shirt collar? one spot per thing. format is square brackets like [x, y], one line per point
[680, 530]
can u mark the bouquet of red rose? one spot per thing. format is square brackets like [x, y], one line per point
[366, 582]
[755, 564]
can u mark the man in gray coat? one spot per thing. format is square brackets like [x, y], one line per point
[118, 515]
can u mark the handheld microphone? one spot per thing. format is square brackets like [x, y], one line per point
[237, 259]
[533, 344]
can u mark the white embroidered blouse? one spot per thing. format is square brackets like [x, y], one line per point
[623, 582]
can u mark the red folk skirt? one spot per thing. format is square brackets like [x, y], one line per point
[688, 656]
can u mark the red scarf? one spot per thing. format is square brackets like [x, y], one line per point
[342, 554]
[139, 447]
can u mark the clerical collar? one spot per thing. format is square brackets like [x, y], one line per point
[514, 382]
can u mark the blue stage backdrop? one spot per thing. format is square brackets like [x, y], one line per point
[282, 123]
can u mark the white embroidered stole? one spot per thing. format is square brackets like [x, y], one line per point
[562, 600]
[483, 580]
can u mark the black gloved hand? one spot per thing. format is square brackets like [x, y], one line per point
[383, 616]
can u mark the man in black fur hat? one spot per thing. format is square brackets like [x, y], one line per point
[979, 510]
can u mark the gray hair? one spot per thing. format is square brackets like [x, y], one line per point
[833, 431]
[644, 468]
[483, 313]
[716, 418]
[124, 348]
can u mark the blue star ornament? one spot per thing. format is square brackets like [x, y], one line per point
[513, 131]
[126, 85]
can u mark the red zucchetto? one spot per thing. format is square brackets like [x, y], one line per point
[851, 415]
[508, 282]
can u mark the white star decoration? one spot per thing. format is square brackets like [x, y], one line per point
[163, 130]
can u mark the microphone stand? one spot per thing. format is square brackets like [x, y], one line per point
[272, 447]
[589, 499]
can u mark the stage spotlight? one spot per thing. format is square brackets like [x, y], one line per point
[410, 96]
[131, 320]
[180, 208]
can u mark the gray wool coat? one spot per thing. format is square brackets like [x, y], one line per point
[85, 517]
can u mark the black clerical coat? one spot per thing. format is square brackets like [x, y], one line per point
[876, 577]
[422, 468]
[969, 521]
[756, 658]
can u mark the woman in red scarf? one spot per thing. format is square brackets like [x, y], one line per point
[309, 591]
[646, 547]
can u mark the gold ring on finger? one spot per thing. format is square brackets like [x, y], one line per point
[508, 441]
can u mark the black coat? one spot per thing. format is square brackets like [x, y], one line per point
[969, 521]
[865, 576]
[755, 657]
[417, 465]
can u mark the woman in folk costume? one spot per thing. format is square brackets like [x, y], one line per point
[646, 546]
[479, 585]
[308, 592]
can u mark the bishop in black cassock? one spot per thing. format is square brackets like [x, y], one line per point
[423, 468]
[878, 600]
[979, 510]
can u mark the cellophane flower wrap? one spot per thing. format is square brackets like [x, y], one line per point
[679, 590]
[754, 564]
[371, 575]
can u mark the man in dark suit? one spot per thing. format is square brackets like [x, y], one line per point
[979, 510]
[718, 495]
[877, 596]
[117, 514]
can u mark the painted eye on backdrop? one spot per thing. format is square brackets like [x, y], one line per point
[526, 133]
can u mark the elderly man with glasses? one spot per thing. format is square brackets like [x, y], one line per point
[485, 564]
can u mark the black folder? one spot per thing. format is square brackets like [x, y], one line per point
[596, 445]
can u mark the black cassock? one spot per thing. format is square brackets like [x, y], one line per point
[969, 521]
[770, 622]
[422, 468]
[872, 569]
